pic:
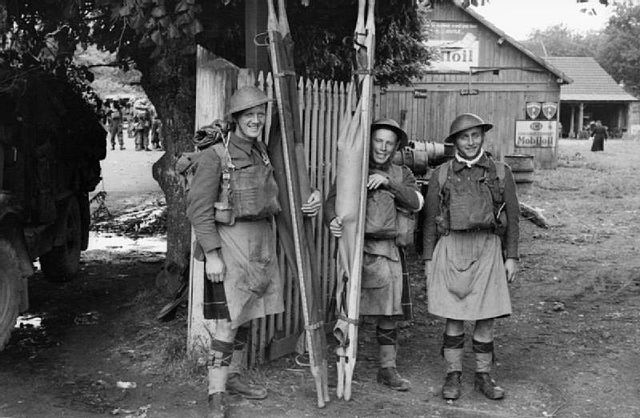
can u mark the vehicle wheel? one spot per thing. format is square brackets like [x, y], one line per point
[9, 291]
[62, 263]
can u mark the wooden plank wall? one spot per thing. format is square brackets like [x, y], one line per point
[322, 104]
[506, 79]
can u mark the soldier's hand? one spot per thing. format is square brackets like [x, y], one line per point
[214, 267]
[313, 204]
[511, 268]
[335, 227]
[376, 180]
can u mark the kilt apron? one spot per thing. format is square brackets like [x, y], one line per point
[467, 280]
[252, 281]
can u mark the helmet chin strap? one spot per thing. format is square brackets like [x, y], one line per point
[467, 162]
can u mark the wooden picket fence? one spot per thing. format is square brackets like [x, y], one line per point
[321, 105]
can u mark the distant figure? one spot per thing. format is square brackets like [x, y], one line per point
[156, 130]
[114, 120]
[141, 125]
[599, 134]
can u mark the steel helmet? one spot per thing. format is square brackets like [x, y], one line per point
[245, 98]
[403, 139]
[463, 122]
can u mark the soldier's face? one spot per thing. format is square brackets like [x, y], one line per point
[383, 145]
[249, 123]
[469, 142]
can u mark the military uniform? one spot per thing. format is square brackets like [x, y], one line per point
[470, 247]
[381, 290]
[381, 283]
[252, 285]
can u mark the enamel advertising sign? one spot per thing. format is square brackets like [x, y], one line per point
[549, 109]
[536, 133]
[457, 46]
[533, 110]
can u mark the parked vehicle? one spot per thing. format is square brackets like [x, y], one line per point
[51, 144]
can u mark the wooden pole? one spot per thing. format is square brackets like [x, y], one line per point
[216, 79]
[572, 123]
[580, 117]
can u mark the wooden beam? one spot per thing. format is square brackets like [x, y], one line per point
[216, 79]
[255, 23]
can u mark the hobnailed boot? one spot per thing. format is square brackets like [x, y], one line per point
[483, 382]
[237, 385]
[390, 377]
[217, 405]
[452, 386]
[453, 351]
[388, 374]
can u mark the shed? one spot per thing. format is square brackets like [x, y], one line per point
[480, 69]
[593, 95]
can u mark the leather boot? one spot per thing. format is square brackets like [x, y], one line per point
[237, 385]
[452, 385]
[217, 405]
[484, 384]
[390, 377]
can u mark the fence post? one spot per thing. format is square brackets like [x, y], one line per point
[216, 79]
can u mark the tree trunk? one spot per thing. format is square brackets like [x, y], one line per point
[172, 91]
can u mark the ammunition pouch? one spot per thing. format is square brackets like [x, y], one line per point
[380, 221]
[405, 227]
[477, 206]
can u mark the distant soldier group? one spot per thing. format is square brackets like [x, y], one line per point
[141, 123]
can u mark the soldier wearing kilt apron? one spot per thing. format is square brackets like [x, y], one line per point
[392, 197]
[470, 250]
[231, 203]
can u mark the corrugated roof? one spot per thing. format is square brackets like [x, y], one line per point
[591, 83]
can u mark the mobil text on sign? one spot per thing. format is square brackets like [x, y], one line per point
[536, 134]
[456, 46]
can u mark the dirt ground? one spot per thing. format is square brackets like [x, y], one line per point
[569, 350]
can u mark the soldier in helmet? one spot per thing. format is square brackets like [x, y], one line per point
[470, 250]
[392, 197]
[236, 241]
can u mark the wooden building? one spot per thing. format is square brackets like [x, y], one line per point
[480, 69]
[593, 95]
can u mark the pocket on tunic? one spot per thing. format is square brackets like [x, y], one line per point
[375, 272]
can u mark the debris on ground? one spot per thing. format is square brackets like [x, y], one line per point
[148, 218]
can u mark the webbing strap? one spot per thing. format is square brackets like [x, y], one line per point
[312, 327]
[386, 336]
[348, 320]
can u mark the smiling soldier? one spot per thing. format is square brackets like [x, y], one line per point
[231, 203]
[471, 221]
[392, 193]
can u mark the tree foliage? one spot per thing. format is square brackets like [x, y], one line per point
[620, 54]
[560, 41]
[323, 34]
